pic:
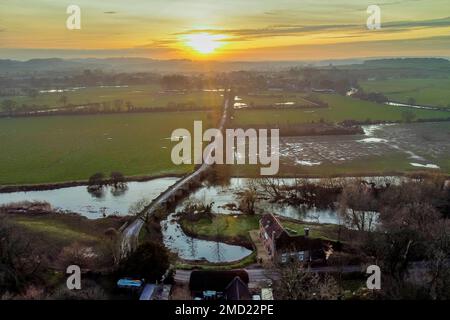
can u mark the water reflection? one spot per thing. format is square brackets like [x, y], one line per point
[189, 248]
[108, 201]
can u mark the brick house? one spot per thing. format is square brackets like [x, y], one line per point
[283, 247]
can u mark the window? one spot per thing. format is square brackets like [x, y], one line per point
[284, 258]
[301, 255]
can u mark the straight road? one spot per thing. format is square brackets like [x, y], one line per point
[131, 233]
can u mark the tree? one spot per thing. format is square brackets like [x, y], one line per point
[248, 199]
[272, 187]
[358, 206]
[20, 265]
[408, 116]
[63, 99]
[411, 101]
[89, 291]
[96, 180]
[112, 245]
[117, 179]
[77, 254]
[9, 106]
[297, 283]
[149, 261]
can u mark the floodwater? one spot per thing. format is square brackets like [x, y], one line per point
[423, 144]
[79, 200]
[226, 199]
[189, 248]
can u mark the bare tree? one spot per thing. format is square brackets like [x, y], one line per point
[358, 206]
[63, 99]
[248, 199]
[272, 187]
[19, 263]
[297, 283]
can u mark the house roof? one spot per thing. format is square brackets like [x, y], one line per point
[215, 280]
[272, 226]
[286, 242]
[237, 290]
[298, 243]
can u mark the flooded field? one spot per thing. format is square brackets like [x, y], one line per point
[418, 145]
[79, 200]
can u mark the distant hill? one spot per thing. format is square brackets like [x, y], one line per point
[56, 65]
[426, 63]
[151, 65]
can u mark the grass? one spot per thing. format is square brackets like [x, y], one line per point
[430, 92]
[340, 108]
[55, 229]
[227, 226]
[266, 98]
[148, 96]
[49, 233]
[69, 148]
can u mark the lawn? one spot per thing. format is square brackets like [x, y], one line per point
[148, 96]
[70, 148]
[340, 108]
[429, 92]
[228, 226]
[238, 226]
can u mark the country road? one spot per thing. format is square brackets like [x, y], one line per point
[131, 233]
[257, 275]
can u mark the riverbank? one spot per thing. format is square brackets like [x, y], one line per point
[51, 232]
[60, 185]
[145, 178]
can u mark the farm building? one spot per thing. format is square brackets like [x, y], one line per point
[283, 247]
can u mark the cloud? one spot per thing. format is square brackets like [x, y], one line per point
[297, 30]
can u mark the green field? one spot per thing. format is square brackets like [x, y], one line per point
[267, 98]
[428, 92]
[148, 96]
[340, 108]
[67, 148]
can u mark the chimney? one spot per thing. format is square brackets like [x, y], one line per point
[306, 232]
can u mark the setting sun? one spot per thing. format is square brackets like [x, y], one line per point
[204, 43]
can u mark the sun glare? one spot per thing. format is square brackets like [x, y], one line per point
[204, 43]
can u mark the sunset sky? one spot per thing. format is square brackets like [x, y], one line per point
[224, 30]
